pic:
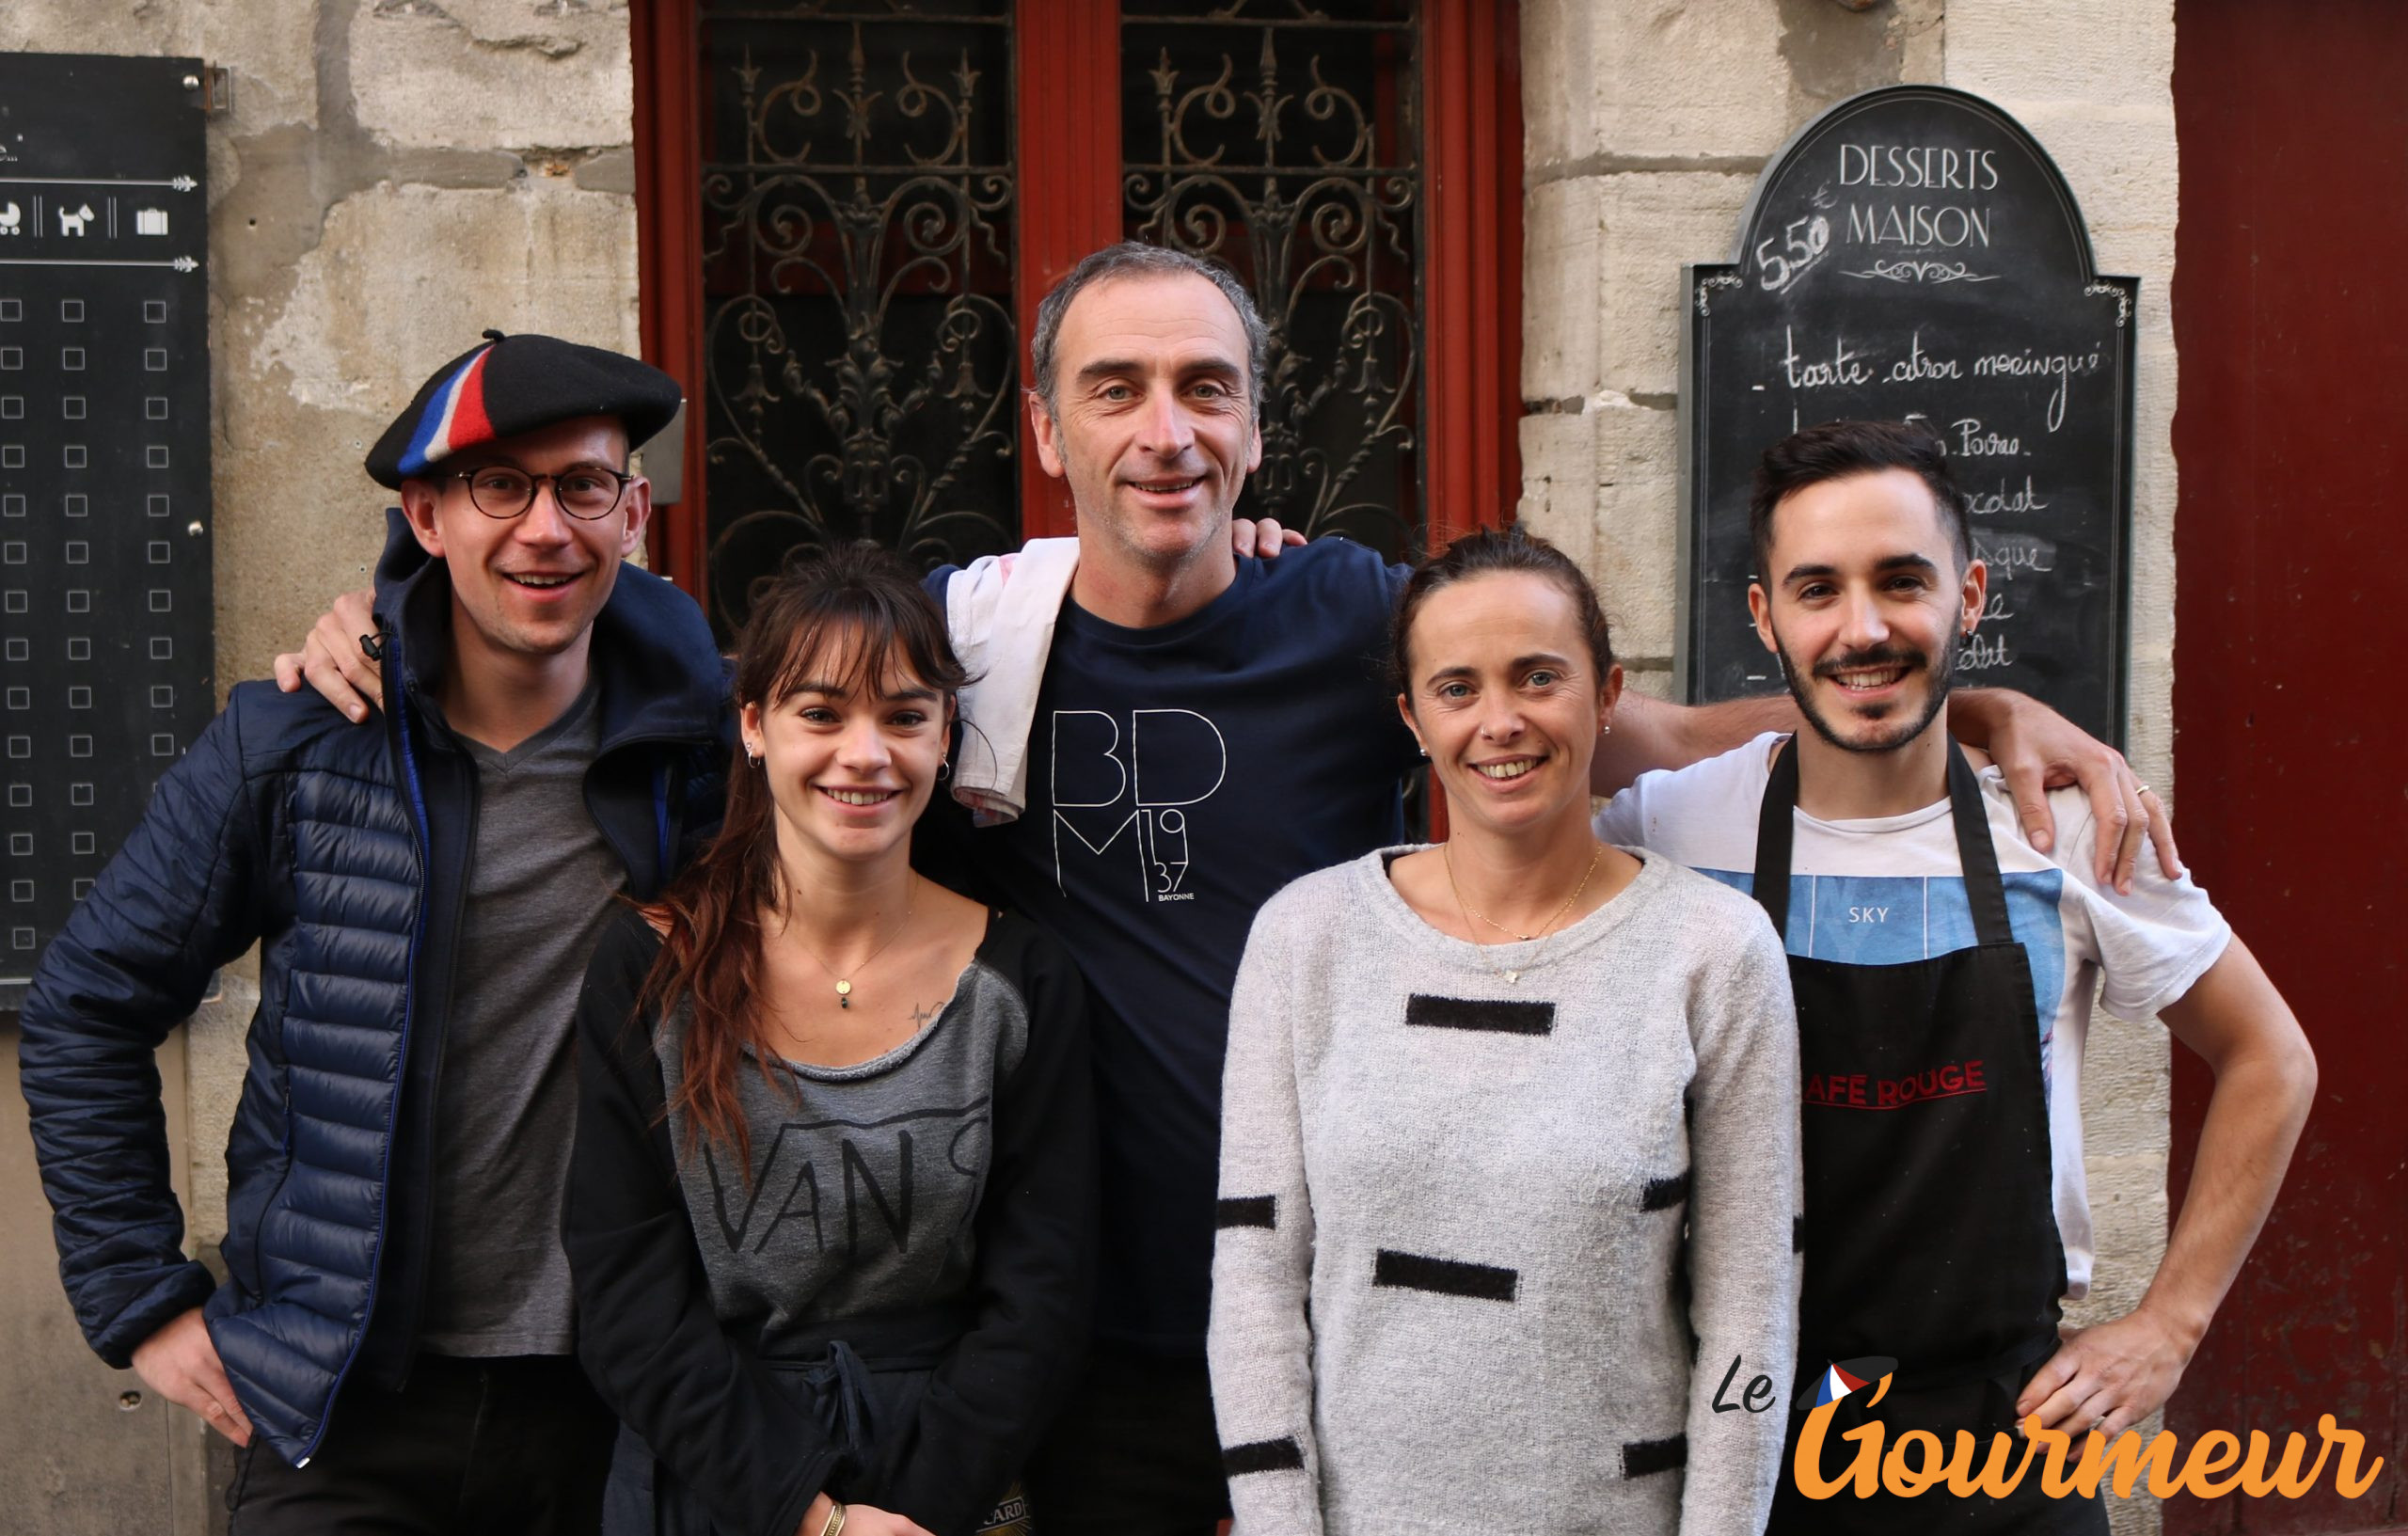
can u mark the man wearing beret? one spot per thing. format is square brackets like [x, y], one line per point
[392, 1345]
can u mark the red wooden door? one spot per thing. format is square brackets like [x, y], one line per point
[2292, 564]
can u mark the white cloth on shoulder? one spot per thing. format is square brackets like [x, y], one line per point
[1001, 609]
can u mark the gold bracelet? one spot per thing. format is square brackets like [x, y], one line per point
[835, 1526]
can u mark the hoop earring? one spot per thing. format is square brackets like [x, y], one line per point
[751, 757]
[945, 769]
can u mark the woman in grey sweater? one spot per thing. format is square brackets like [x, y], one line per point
[1508, 1162]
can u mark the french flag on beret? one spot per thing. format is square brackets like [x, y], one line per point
[520, 384]
[454, 418]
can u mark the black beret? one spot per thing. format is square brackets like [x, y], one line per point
[513, 384]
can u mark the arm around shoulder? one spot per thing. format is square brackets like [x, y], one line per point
[1651, 732]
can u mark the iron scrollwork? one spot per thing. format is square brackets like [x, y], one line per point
[1300, 167]
[859, 338]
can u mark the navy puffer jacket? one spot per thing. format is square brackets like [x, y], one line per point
[342, 850]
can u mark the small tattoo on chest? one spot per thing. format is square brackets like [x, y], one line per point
[922, 1013]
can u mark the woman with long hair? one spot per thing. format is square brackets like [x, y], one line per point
[831, 1211]
[1509, 1141]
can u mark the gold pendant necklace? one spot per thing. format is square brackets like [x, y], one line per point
[845, 984]
[1446, 856]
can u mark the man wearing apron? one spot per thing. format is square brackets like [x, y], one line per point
[1943, 971]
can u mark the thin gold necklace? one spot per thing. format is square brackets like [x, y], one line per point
[1446, 856]
[845, 984]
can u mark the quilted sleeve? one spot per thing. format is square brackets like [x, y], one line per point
[175, 904]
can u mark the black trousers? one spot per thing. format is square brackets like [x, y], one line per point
[515, 1446]
[1133, 1453]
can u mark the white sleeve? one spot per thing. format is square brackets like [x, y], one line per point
[1260, 1342]
[1746, 1195]
[1622, 819]
[2154, 944]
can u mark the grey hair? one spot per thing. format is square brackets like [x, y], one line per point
[1134, 258]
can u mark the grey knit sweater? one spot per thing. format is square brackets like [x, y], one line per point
[1447, 1292]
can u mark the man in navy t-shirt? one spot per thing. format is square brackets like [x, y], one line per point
[1179, 774]
[1207, 730]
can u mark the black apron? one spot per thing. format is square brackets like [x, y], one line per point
[1930, 1233]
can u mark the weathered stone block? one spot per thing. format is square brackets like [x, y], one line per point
[492, 74]
[2114, 53]
[1598, 481]
[1563, 287]
[214, 1061]
[1559, 484]
[1652, 80]
[2128, 1213]
[2126, 1088]
[2120, 162]
[1602, 295]
[298, 521]
[85, 27]
[406, 277]
[272, 51]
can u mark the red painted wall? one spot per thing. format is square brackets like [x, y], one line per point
[2291, 311]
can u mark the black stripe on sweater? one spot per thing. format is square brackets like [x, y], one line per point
[1447, 1276]
[1642, 1458]
[1664, 1194]
[1487, 1015]
[1252, 1211]
[1280, 1455]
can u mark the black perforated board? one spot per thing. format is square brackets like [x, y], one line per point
[1903, 232]
[106, 631]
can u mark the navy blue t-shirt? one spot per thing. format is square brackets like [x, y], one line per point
[1178, 776]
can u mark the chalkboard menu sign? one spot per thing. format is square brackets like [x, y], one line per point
[1914, 254]
[106, 631]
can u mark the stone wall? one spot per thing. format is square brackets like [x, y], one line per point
[1647, 122]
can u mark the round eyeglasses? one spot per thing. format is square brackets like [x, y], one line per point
[585, 492]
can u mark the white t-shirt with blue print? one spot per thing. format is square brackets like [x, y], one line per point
[1891, 889]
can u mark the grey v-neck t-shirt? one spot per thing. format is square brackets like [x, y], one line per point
[864, 1181]
[540, 890]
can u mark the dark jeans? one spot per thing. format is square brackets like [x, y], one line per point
[1133, 1453]
[515, 1447]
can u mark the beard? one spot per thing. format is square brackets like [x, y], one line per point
[1885, 735]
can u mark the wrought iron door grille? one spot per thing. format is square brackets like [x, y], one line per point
[1285, 139]
[858, 197]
